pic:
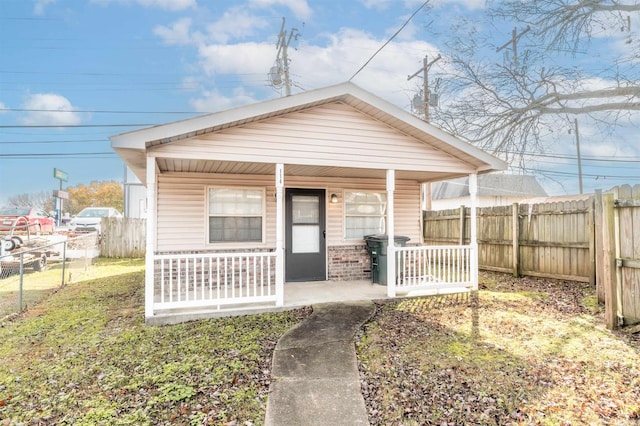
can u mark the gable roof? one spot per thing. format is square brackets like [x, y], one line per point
[492, 184]
[132, 146]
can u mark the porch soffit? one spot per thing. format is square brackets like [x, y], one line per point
[170, 166]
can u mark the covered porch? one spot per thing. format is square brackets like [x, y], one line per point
[181, 286]
[248, 205]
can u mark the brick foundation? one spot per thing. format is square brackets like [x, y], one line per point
[349, 263]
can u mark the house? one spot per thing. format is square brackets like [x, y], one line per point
[135, 196]
[494, 189]
[242, 202]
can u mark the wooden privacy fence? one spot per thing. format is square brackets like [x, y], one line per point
[619, 260]
[595, 240]
[553, 240]
[123, 237]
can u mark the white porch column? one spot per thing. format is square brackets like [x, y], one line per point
[391, 251]
[149, 278]
[279, 242]
[473, 191]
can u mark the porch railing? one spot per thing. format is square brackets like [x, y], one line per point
[433, 267]
[213, 280]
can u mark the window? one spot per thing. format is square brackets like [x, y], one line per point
[365, 214]
[235, 215]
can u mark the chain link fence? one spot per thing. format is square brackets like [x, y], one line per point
[32, 269]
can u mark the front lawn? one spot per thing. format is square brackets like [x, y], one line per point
[85, 357]
[526, 351]
[518, 352]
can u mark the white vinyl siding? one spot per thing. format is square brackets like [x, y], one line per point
[182, 207]
[334, 135]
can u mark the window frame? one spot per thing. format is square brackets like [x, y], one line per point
[209, 215]
[345, 215]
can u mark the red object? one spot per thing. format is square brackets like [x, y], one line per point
[19, 219]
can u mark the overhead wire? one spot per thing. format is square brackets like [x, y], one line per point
[390, 39]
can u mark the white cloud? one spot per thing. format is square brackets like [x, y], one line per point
[469, 4]
[236, 23]
[315, 66]
[2, 108]
[177, 33]
[386, 75]
[242, 58]
[160, 4]
[413, 4]
[40, 5]
[300, 8]
[213, 100]
[50, 109]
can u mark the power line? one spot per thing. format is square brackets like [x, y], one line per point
[571, 157]
[98, 111]
[574, 174]
[55, 126]
[390, 39]
[57, 154]
[51, 142]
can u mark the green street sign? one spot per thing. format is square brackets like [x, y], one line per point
[59, 174]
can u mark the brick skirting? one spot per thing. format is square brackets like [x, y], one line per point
[349, 263]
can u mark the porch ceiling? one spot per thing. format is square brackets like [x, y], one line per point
[170, 165]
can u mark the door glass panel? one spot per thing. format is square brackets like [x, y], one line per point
[305, 239]
[305, 236]
[305, 209]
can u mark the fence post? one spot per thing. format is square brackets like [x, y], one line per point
[592, 241]
[463, 216]
[598, 219]
[64, 259]
[21, 282]
[515, 223]
[609, 275]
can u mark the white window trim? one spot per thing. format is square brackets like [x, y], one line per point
[235, 244]
[344, 210]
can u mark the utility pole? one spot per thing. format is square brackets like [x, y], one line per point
[281, 67]
[425, 83]
[514, 43]
[575, 121]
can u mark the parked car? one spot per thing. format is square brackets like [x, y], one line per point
[90, 218]
[26, 219]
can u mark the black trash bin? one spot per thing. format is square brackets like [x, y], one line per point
[377, 248]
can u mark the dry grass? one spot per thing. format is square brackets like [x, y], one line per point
[517, 352]
[85, 357]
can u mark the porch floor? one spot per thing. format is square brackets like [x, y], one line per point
[298, 295]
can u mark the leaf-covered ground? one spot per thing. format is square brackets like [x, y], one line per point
[520, 351]
[85, 357]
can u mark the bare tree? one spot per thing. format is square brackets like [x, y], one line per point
[511, 106]
[42, 200]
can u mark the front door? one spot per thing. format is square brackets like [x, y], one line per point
[305, 254]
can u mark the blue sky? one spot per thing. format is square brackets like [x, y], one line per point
[113, 66]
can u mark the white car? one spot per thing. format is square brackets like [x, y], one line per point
[90, 218]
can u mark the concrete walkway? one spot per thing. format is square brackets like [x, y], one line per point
[315, 378]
